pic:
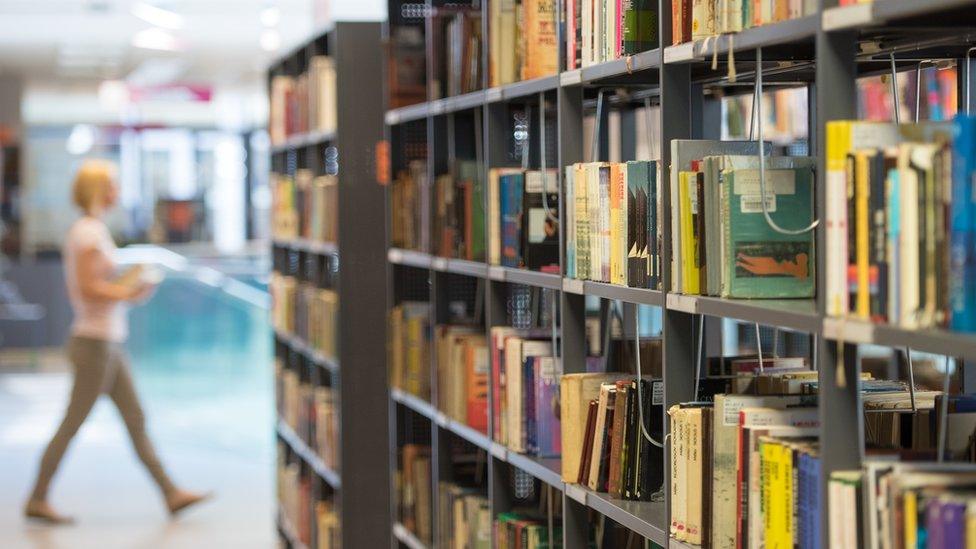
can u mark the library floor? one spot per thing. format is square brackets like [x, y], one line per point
[201, 414]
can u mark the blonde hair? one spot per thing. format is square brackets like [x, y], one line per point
[92, 182]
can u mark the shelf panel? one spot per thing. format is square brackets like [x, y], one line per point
[303, 140]
[307, 245]
[302, 347]
[415, 403]
[624, 66]
[682, 544]
[794, 314]
[308, 455]
[530, 278]
[287, 531]
[643, 517]
[548, 470]
[641, 296]
[933, 340]
[474, 436]
[409, 113]
[406, 537]
[524, 88]
[802, 29]
[409, 258]
[879, 13]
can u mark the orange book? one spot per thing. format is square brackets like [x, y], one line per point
[539, 37]
[476, 376]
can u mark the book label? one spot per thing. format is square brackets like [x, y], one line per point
[750, 203]
[657, 393]
[732, 406]
[777, 182]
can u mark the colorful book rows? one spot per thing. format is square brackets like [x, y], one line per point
[303, 104]
[613, 231]
[698, 19]
[603, 30]
[522, 40]
[900, 223]
[305, 206]
[523, 219]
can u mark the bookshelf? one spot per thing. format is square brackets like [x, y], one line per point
[824, 52]
[349, 370]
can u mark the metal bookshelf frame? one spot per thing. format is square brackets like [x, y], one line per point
[825, 52]
[359, 369]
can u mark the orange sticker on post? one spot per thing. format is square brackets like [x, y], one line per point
[383, 162]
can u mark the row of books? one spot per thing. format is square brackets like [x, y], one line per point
[305, 206]
[613, 226]
[409, 198]
[410, 348]
[413, 482]
[523, 43]
[605, 446]
[306, 311]
[903, 505]
[525, 530]
[462, 374]
[311, 412]
[698, 19]
[305, 103]
[316, 523]
[464, 516]
[457, 39]
[723, 244]
[459, 214]
[523, 219]
[525, 378]
[603, 30]
[900, 223]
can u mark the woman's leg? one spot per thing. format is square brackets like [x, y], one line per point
[123, 393]
[90, 359]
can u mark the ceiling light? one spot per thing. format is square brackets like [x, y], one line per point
[158, 16]
[113, 94]
[155, 39]
[81, 139]
[270, 17]
[270, 40]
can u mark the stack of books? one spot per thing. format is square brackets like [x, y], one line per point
[311, 412]
[518, 529]
[523, 41]
[523, 219]
[414, 499]
[305, 103]
[698, 19]
[900, 223]
[305, 206]
[604, 446]
[462, 374]
[525, 376]
[903, 505]
[457, 47]
[722, 243]
[464, 516]
[409, 196]
[410, 348]
[603, 30]
[459, 214]
[613, 223]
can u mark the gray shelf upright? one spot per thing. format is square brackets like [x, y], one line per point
[363, 420]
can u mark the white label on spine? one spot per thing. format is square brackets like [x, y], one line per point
[750, 203]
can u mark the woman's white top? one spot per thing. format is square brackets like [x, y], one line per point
[94, 318]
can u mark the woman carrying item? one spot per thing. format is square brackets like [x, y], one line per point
[95, 348]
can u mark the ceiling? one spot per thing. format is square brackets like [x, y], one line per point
[79, 41]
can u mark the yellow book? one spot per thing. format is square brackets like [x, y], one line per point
[910, 515]
[687, 193]
[862, 192]
[838, 144]
[971, 524]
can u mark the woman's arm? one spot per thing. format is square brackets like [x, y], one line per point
[94, 287]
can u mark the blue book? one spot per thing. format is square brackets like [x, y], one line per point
[962, 285]
[894, 247]
[816, 497]
[511, 187]
[803, 500]
[547, 427]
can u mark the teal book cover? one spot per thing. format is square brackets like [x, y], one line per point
[638, 190]
[762, 262]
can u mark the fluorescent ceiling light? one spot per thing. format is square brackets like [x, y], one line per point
[113, 94]
[155, 39]
[81, 139]
[158, 16]
[270, 40]
[270, 16]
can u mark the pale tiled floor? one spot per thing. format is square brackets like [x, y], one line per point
[206, 388]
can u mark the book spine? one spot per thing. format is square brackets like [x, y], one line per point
[962, 292]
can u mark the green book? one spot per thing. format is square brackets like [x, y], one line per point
[639, 26]
[759, 261]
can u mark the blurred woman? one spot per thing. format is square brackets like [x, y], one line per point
[99, 299]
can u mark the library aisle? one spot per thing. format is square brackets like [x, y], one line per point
[204, 387]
